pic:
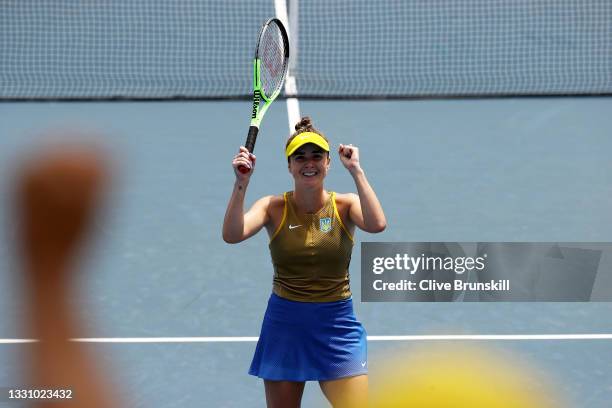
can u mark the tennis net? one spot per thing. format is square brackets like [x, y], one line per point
[66, 49]
[128, 48]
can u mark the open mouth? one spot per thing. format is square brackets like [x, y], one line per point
[309, 173]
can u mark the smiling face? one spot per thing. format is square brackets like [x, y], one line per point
[309, 164]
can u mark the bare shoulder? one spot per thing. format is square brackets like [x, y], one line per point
[275, 201]
[274, 204]
[345, 200]
[268, 201]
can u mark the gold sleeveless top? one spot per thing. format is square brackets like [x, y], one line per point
[311, 254]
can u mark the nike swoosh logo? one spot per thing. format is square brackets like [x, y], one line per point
[363, 364]
[294, 226]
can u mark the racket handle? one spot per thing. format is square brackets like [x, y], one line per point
[250, 145]
[251, 138]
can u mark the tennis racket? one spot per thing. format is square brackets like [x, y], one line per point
[269, 71]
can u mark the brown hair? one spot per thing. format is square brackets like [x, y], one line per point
[304, 125]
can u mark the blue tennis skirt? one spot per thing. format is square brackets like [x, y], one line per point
[308, 341]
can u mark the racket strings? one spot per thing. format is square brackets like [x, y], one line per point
[273, 61]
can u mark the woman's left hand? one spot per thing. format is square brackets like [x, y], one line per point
[349, 156]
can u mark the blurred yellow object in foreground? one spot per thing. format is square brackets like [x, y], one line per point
[457, 377]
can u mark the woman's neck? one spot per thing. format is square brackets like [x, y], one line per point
[309, 201]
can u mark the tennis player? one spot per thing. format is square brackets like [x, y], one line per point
[309, 331]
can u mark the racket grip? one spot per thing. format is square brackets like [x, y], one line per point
[251, 138]
[250, 145]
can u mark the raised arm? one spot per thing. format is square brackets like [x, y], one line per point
[57, 194]
[238, 225]
[365, 210]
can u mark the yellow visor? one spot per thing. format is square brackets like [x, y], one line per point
[304, 138]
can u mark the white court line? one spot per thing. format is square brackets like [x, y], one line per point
[470, 337]
[494, 337]
[293, 105]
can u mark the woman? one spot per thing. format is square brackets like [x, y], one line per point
[309, 332]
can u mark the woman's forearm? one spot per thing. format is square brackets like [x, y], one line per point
[373, 215]
[233, 223]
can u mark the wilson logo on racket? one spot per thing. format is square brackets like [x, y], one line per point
[256, 99]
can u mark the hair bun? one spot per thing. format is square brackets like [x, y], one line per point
[304, 124]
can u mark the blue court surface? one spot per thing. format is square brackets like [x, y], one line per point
[462, 170]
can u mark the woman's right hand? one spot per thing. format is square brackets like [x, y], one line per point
[243, 160]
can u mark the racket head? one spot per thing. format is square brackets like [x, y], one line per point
[272, 59]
